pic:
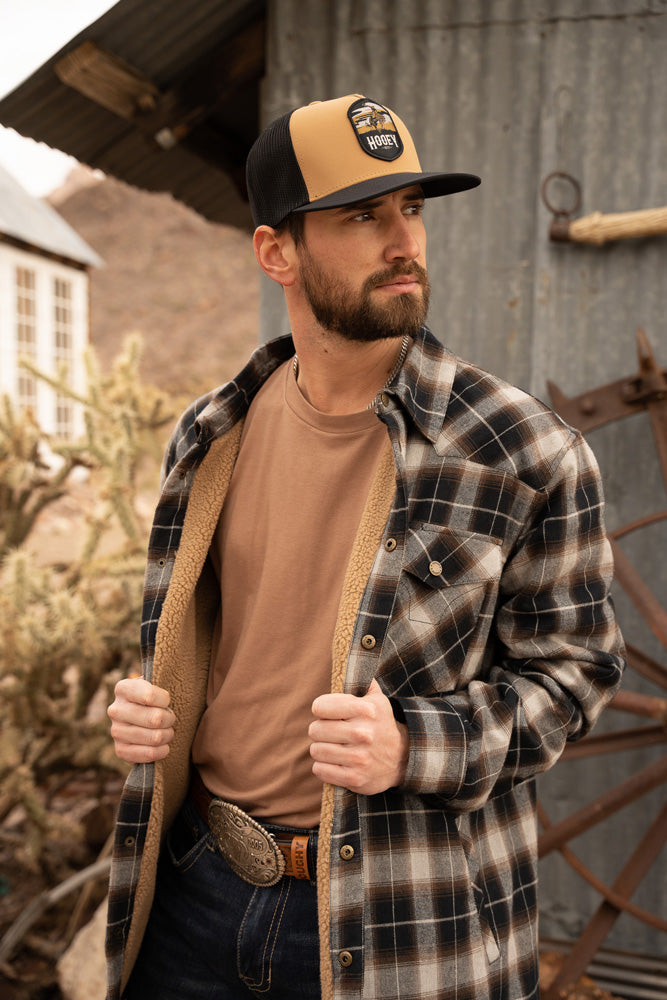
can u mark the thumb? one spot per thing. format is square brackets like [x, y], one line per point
[375, 688]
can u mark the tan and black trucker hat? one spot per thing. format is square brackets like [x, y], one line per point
[333, 153]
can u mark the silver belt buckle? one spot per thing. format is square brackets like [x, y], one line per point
[247, 847]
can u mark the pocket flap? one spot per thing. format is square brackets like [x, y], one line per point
[446, 557]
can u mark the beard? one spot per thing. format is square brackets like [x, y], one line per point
[353, 314]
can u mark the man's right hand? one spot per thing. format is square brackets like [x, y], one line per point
[142, 724]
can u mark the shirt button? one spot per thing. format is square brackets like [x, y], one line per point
[345, 959]
[368, 642]
[347, 852]
[435, 568]
[390, 544]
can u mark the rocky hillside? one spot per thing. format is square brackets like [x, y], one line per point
[188, 286]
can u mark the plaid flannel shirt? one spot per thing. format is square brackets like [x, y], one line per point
[479, 600]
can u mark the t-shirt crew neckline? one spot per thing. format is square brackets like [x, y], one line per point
[329, 423]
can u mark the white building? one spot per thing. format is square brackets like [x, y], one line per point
[44, 306]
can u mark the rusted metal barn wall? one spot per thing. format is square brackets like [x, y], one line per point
[513, 90]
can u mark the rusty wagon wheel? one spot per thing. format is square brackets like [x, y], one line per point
[645, 391]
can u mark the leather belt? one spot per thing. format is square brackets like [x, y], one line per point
[257, 855]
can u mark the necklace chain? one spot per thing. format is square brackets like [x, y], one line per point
[392, 374]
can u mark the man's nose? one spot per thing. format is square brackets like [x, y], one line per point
[402, 243]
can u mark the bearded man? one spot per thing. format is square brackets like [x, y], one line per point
[376, 608]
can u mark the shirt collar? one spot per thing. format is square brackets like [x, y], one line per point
[424, 384]
[230, 403]
[422, 387]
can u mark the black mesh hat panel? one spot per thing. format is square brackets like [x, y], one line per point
[275, 184]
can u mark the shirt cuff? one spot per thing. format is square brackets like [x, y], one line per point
[437, 746]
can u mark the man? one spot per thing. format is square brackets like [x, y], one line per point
[376, 608]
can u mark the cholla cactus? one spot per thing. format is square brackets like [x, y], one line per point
[54, 657]
[68, 632]
[122, 417]
[27, 483]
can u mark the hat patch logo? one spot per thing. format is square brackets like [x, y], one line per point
[375, 130]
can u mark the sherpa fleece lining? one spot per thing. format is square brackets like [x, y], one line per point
[182, 656]
[182, 659]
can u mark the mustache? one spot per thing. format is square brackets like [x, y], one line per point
[411, 269]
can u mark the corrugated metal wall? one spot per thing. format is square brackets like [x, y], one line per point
[513, 90]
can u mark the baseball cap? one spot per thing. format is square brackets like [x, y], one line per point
[333, 153]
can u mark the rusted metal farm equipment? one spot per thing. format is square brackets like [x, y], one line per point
[645, 391]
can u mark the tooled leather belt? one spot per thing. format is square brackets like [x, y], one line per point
[257, 855]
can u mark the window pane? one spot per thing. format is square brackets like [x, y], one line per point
[26, 334]
[63, 351]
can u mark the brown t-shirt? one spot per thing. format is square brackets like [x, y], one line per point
[281, 551]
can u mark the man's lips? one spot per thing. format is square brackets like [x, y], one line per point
[400, 283]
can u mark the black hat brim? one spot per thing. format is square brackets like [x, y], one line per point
[433, 186]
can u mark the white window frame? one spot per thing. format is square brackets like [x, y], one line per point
[25, 288]
[63, 352]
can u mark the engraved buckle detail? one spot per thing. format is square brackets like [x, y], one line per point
[247, 847]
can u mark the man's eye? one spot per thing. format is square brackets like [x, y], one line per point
[362, 216]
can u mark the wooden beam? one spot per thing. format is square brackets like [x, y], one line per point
[183, 112]
[166, 117]
[235, 63]
[107, 79]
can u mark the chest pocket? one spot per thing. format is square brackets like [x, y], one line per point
[451, 570]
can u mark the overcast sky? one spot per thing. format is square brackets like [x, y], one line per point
[30, 32]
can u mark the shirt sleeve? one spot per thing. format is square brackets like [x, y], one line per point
[557, 652]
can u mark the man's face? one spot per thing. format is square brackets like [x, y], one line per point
[362, 268]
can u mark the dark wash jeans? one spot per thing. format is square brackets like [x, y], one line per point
[212, 936]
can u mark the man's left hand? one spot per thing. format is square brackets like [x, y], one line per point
[357, 743]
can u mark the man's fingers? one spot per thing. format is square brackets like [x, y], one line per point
[134, 753]
[339, 754]
[141, 692]
[345, 775]
[341, 706]
[134, 714]
[333, 774]
[129, 735]
[357, 743]
[142, 724]
[340, 731]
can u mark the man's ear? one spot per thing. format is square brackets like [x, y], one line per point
[276, 255]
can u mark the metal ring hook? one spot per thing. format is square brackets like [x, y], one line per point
[561, 213]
